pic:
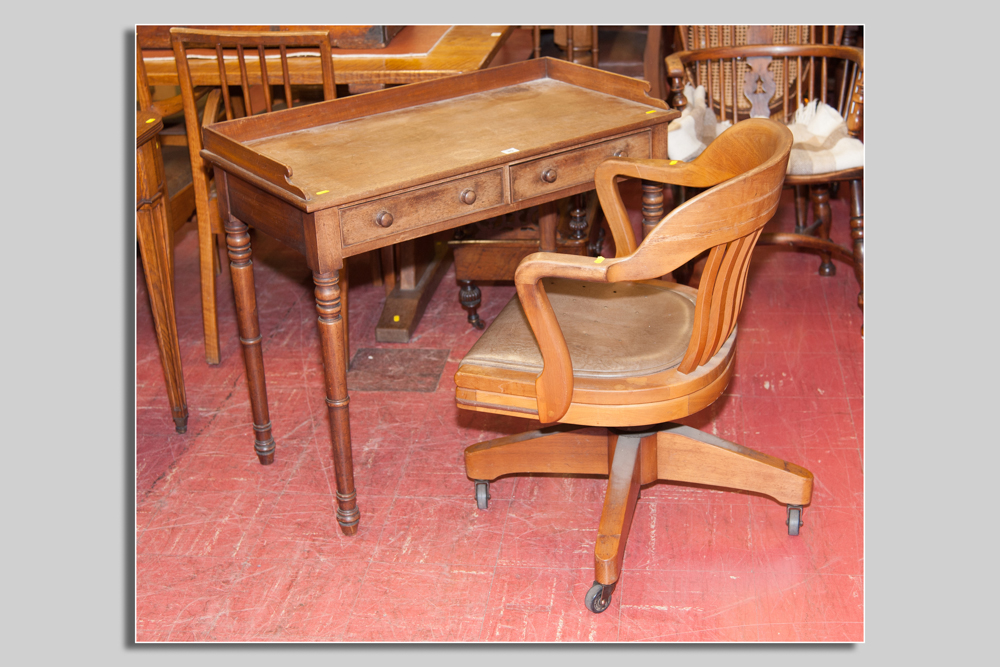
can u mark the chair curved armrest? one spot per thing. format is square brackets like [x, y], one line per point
[697, 174]
[554, 385]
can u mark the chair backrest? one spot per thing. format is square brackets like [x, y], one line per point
[724, 77]
[250, 68]
[247, 67]
[744, 169]
[766, 81]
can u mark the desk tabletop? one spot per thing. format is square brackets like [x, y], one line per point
[346, 150]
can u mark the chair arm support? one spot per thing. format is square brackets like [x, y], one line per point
[554, 385]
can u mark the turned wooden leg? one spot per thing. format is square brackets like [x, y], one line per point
[241, 269]
[858, 235]
[652, 206]
[470, 297]
[801, 209]
[619, 506]
[560, 449]
[344, 285]
[820, 195]
[578, 218]
[332, 334]
[685, 454]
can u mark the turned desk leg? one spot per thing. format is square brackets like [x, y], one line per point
[241, 269]
[332, 336]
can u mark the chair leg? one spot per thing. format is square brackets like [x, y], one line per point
[801, 209]
[207, 259]
[562, 448]
[619, 506]
[820, 195]
[858, 236]
[470, 296]
[685, 454]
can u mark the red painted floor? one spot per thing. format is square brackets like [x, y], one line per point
[228, 550]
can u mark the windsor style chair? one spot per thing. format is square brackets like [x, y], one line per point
[604, 343]
[779, 81]
[253, 62]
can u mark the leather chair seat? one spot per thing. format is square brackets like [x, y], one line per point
[612, 330]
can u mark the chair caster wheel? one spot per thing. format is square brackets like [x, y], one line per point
[482, 494]
[599, 597]
[794, 520]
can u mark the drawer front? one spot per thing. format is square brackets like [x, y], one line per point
[425, 206]
[562, 170]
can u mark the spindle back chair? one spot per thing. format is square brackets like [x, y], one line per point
[718, 76]
[776, 81]
[242, 61]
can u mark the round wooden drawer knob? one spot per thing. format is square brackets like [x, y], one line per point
[383, 219]
[621, 153]
[549, 175]
[468, 196]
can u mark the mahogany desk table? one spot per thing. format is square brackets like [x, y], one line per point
[343, 177]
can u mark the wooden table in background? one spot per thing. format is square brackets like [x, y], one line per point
[416, 53]
[391, 166]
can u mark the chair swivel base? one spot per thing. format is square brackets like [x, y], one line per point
[632, 458]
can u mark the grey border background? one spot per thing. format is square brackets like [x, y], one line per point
[68, 368]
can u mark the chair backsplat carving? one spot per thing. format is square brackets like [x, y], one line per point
[725, 77]
[819, 65]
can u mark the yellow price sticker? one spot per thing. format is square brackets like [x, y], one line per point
[598, 260]
[652, 111]
[322, 192]
[672, 162]
[150, 120]
[395, 318]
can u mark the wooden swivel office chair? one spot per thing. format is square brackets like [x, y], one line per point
[604, 343]
[245, 67]
[778, 81]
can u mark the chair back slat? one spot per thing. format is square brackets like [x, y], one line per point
[286, 78]
[264, 79]
[720, 298]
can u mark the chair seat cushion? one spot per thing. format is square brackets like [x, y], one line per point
[612, 330]
[821, 143]
[697, 127]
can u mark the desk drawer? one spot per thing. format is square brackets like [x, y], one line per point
[561, 170]
[425, 206]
